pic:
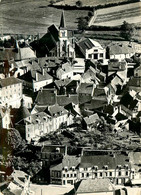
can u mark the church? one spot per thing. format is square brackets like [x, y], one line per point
[57, 42]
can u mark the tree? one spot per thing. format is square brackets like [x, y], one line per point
[90, 13]
[79, 3]
[52, 2]
[82, 23]
[127, 31]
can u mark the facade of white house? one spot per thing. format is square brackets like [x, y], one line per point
[91, 49]
[39, 124]
[11, 92]
[64, 72]
[41, 80]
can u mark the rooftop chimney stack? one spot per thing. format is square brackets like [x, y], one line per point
[66, 148]
[36, 76]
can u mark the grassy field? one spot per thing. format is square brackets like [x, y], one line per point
[115, 16]
[33, 16]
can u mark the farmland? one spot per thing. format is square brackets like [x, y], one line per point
[90, 2]
[33, 17]
[115, 16]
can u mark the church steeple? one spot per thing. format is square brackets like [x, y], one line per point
[62, 21]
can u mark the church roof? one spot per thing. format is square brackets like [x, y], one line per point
[62, 22]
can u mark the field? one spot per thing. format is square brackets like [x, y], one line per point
[115, 16]
[33, 17]
[89, 2]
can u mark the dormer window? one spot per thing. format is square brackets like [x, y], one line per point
[73, 168]
[106, 167]
[126, 166]
[95, 168]
[44, 118]
[119, 166]
[37, 120]
[66, 169]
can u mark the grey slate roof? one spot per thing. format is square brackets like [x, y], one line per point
[9, 81]
[102, 160]
[95, 185]
[46, 97]
[68, 161]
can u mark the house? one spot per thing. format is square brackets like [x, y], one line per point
[135, 160]
[5, 118]
[131, 102]
[65, 172]
[120, 68]
[65, 71]
[101, 165]
[137, 71]
[120, 50]
[91, 49]
[85, 92]
[41, 123]
[56, 42]
[115, 167]
[17, 53]
[89, 121]
[11, 91]
[90, 76]
[64, 100]
[36, 125]
[78, 65]
[17, 117]
[36, 79]
[135, 84]
[41, 102]
[60, 116]
[95, 187]
[50, 155]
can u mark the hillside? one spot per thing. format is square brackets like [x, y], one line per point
[90, 2]
[115, 16]
[33, 17]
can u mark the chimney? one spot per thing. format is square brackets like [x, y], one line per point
[82, 152]
[43, 71]
[36, 76]
[66, 148]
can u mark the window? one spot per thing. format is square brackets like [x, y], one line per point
[95, 56]
[90, 56]
[95, 174]
[71, 175]
[110, 173]
[75, 175]
[87, 174]
[101, 55]
[100, 174]
[106, 174]
[119, 173]
[52, 174]
[95, 50]
[82, 174]
[85, 169]
[126, 173]
[67, 175]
